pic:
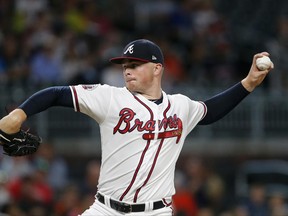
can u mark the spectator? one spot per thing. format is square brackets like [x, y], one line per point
[278, 46]
[112, 76]
[5, 197]
[28, 9]
[206, 212]
[196, 171]
[57, 168]
[32, 190]
[13, 66]
[256, 203]
[16, 167]
[184, 203]
[277, 204]
[45, 66]
[69, 202]
[89, 185]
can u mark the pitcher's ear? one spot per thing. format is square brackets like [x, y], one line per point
[158, 68]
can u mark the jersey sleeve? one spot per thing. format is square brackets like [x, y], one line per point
[196, 112]
[92, 100]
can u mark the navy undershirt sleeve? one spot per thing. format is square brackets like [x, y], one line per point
[221, 104]
[42, 100]
[217, 106]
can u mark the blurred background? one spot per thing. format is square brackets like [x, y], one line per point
[235, 167]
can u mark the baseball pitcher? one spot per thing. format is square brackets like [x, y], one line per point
[143, 129]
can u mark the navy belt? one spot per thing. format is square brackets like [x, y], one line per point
[127, 208]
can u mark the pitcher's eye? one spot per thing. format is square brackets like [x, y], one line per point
[131, 66]
[134, 65]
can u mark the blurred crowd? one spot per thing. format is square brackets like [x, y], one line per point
[49, 184]
[55, 42]
[51, 42]
[45, 185]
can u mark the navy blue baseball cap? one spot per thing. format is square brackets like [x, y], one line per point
[140, 50]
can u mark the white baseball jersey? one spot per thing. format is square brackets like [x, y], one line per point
[140, 140]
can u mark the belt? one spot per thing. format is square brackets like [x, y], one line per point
[127, 208]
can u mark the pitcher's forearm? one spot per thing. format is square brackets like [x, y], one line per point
[13, 121]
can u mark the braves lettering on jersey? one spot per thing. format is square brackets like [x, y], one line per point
[140, 140]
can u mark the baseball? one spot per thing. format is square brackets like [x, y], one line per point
[263, 63]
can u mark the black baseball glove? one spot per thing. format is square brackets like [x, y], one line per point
[19, 144]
